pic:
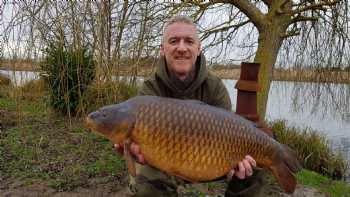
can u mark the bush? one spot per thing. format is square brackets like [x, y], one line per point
[5, 90]
[105, 93]
[4, 80]
[31, 91]
[312, 149]
[67, 73]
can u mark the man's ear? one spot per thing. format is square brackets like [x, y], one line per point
[161, 51]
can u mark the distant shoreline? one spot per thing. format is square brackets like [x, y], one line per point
[230, 73]
[294, 75]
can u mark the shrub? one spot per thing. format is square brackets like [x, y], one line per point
[4, 80]
[31, 91]
[67, 73]
[103, 93]
[312, 149]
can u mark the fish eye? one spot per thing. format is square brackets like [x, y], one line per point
[104, 114]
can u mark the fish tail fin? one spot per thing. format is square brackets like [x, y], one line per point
[283, 168]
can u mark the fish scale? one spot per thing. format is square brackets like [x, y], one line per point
[202, 140]
[192, 140]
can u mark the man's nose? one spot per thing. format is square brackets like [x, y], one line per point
[182, 46]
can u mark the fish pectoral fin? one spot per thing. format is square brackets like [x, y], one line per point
[284, 176]
[130, 161]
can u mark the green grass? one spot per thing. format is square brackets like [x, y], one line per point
[40, 146]
[323, 183]
[312, 148]
[7, 104]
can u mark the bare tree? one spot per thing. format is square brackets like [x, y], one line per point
[269, 25]
[271, 32]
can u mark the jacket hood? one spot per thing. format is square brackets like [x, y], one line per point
[201, 75]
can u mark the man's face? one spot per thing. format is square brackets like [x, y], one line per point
[180, 47]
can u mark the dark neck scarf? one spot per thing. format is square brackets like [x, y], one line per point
[185, 83]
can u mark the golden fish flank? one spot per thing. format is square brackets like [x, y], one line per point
[183, 138]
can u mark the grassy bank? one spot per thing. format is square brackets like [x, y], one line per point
[39, 147]
[323, 184]
[312, 149]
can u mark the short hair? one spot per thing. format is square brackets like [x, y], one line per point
[179, 19]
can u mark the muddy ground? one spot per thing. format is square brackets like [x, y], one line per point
[109, 190]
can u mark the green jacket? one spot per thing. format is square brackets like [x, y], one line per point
[206, 87]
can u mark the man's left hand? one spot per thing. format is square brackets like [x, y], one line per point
[244, 168]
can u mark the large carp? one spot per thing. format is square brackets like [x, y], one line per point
[192, 140]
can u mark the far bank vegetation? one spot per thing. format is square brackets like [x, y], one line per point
[147, 66]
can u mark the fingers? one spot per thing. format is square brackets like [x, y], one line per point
[241, 171]
[134, 148]
[230, 174]
[119, 149]
[136, 152]
[250, 160]
[245, 167]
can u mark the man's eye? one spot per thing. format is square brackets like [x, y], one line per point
[172, 41]
[190, 41]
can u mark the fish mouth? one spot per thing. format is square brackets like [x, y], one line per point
[94, 122]
[90, 123]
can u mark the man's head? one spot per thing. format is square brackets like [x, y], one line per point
[180, 46]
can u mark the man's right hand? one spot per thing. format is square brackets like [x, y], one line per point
[134, 150]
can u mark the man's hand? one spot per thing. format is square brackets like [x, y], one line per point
[244, 169]
[134, 150]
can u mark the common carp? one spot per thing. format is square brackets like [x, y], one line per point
[192, 140]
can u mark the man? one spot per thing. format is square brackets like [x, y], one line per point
[182, 74]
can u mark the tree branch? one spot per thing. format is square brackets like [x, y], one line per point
[280, 11]
[291, 33]
[315, 6]
[303, 18]
[267, 2]
[250, 10]
[222, 29]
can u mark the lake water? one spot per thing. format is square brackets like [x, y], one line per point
[19, 78]
[324, 107]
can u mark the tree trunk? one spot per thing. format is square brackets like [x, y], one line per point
[270, 40]
[269, 44]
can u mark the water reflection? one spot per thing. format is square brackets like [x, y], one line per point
[18, 78]
[306, 105]
[323, 98]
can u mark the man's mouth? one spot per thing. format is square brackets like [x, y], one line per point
[182, 58]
